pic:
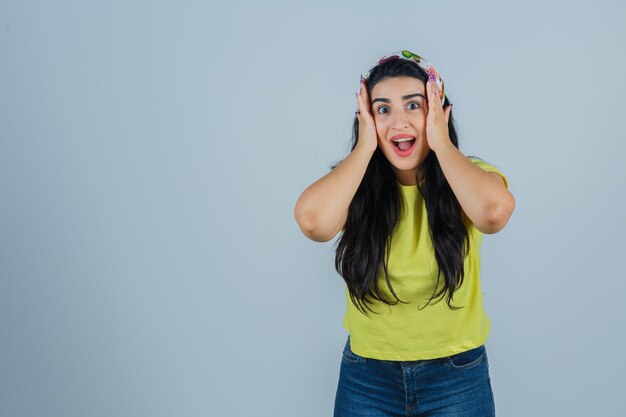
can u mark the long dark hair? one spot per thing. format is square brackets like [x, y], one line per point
[363, 248]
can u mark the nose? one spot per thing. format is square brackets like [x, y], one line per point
[400, 121]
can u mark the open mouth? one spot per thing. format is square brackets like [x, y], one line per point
[404, 145]
[404, 148]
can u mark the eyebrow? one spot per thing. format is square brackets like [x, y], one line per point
[386, 100]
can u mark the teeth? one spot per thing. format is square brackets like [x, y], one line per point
[403, 139]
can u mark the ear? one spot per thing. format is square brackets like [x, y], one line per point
[447, 113]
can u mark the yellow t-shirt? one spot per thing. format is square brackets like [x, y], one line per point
[401, 331]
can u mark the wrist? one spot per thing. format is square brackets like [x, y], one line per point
[365, 148]
[444, 147]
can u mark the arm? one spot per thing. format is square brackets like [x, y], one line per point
[322, 209]
[482, 195]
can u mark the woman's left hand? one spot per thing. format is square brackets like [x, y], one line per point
[437, 118]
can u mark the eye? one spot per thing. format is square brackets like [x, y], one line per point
[416, 104]
[380, 108]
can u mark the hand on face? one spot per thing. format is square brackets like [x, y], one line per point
[367, 125]
[437, 118]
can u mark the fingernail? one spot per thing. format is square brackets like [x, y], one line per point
[362, 79]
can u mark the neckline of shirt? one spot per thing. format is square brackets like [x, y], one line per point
[408, 188]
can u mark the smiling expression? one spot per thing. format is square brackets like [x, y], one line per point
[399, 107]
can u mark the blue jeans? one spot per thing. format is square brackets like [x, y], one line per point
[457, 385]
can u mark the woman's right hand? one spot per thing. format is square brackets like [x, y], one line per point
[368, 137]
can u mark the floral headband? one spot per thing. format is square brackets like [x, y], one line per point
[422, 62]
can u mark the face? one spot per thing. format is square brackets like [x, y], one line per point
[399, 107]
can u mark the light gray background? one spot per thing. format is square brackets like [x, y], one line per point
[151, 154]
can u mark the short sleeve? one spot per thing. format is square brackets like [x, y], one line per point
[489, 168]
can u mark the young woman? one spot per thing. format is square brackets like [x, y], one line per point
[412, 210]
